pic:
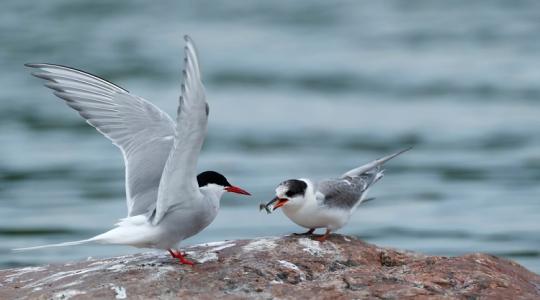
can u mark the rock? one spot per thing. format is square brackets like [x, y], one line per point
[286, 267]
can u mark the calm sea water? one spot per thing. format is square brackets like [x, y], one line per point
[296, 90]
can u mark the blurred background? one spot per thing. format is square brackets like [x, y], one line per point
[295, 90]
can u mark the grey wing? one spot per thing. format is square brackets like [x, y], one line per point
[142, 131]
[344, 193]
[178, 186]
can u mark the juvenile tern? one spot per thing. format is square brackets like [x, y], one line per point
[167, 201]
[328, 203]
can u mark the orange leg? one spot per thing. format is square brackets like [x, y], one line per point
[323, 238]
[180, 256]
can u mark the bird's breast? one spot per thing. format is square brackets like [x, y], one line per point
[318, 217]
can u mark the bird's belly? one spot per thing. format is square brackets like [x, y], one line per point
[182, 224]
[332, 219]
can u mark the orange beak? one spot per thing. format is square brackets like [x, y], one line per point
[280, 203]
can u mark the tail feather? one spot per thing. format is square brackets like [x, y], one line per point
[56, 245]
[374, 164]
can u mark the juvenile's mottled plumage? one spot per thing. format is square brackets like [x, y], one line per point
[328, 203]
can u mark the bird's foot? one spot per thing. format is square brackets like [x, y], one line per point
[180, 256]
[184, 261]
[322, 238]
[309, 232]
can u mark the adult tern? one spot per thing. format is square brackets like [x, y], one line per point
[167, 201]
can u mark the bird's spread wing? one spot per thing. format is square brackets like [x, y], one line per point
[142, 131]
[344, 193]
[178, 186]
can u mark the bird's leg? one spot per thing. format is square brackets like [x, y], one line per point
[178, 251]
[180, 256]
[323, 238]
[310, 231]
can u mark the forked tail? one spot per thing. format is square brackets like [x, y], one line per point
[56, 245]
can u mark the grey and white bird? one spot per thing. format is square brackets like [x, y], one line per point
[327, 203]
[167, 201]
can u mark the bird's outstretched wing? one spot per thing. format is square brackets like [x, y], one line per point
[143, 132]
[178, 187]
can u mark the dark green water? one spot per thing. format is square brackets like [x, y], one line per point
[296, 90]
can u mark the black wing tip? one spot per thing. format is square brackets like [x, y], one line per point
[406, 149]
[42, 74]
[41, 65]
[32, 65]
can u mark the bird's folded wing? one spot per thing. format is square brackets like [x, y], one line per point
[341, 193]
[178, 186]
[142, 131]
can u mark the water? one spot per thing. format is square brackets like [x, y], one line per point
[295, 90]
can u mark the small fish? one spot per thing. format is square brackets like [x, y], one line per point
[265, 207]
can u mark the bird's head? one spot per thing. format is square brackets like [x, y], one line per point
[216, 183]
[290, 192]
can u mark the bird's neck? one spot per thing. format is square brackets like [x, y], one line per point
[212, 193]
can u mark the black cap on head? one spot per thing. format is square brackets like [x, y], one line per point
[295, 187]
[208, 177]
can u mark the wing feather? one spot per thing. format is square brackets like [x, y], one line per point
[142, 131]
[178, 186]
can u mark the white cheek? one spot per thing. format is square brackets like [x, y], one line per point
[280, 191]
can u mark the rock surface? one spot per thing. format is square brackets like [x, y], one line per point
[286, 267]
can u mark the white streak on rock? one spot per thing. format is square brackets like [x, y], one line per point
[289, 265]
[210, 254]
[116, 268]
[202, 257]
[219, 248]
[212, 244]
[61, 275]
[71, 284]
[18, 273]
[64, 295]
[312, 247]
[120, 292]
[260, 245]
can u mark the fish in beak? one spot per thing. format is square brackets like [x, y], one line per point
[279, 202]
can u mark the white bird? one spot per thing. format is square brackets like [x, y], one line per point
[167, 201]
[328, 203]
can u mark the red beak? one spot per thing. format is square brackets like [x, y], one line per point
[235, 189]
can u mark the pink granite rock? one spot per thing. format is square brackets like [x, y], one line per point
[282, 267]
